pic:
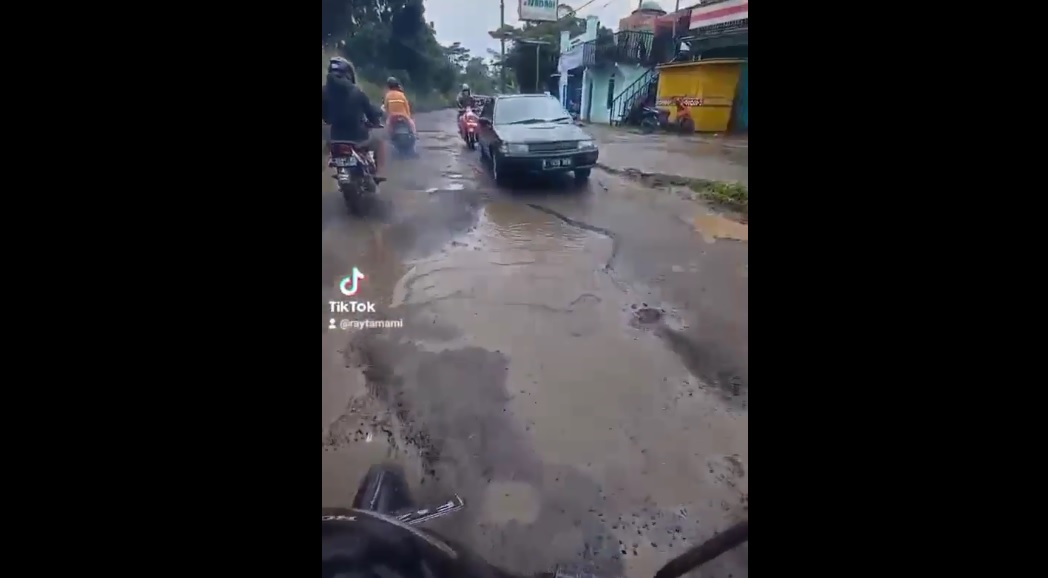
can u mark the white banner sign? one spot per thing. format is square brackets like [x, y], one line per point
[571, 59]
[537, 10]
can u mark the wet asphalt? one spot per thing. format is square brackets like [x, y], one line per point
[572, 360]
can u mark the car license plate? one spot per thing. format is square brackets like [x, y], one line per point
[556, 163]
[345, 161]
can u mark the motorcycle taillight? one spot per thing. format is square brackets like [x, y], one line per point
[341, 150]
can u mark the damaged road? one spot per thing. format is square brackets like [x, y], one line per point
[571, 361]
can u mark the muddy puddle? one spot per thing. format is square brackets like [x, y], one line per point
[712, 227]
[514, 257]
[531, 286]
[589, 387]
[530, 380]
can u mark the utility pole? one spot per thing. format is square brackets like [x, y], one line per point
[502, 42]
[538, 59]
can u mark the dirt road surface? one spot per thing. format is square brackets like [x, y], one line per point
[695, 156]
[572, 361]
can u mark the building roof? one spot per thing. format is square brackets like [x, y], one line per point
[652, 5]
[710, 62]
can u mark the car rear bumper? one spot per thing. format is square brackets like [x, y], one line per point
[534, 163]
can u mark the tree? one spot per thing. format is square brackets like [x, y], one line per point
[384, 37]
[479, 77]
[457, 54]
[521, 58]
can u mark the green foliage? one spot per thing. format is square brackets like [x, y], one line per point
[730, 194]
[522, 56]
[392, 38]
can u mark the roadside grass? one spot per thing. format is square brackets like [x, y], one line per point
[728, 195]
[734, 196]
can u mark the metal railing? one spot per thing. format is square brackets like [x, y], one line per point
[633, 96]
[630, 47]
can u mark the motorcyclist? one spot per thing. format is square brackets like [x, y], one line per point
[465, 99]
[396, 104]
[346, 108]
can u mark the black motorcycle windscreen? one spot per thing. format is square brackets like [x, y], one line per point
[364, 544]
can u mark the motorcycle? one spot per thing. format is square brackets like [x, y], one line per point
[403, 138]
[355, 170]
[383, 528]
[468, 127]
[651, 118]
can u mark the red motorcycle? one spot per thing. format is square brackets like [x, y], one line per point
[355, 170]
[468, 127]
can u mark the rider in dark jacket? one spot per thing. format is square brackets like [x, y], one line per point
[346, 107]
[465, 99]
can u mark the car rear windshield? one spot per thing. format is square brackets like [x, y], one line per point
[532, 109]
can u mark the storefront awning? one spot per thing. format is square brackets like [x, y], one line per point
[572, 59]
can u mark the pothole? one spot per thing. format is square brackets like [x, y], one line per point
[646, 315]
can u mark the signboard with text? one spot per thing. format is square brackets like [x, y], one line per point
[723, 12]
[537, 10]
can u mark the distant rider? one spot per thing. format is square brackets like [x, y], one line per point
[397, 105]
[346, 107]
[465, 99]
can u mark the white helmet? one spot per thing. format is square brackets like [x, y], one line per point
[465, 87]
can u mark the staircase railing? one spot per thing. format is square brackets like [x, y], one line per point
[633, 95]
[661, 47]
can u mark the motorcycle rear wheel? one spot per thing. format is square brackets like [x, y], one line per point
[358, 195]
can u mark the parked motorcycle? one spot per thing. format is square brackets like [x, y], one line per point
[355, 171]
[651, 118]
[468, 127]
[403, 138]
[383, 529]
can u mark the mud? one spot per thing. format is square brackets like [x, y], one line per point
[572, 362]
[668, 158]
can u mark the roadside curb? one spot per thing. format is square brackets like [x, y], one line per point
[654, 179]
[695, 189]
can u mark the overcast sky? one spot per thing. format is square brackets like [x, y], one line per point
[468, 21]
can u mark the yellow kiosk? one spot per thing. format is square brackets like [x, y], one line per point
[702, 92]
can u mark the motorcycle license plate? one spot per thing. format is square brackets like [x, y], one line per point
[345, 161]
[556, 163]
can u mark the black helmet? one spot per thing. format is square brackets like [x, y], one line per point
[392, 82]
[341, 67]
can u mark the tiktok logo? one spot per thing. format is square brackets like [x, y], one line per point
[349, 285]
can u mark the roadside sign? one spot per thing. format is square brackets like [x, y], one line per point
[537, 10]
